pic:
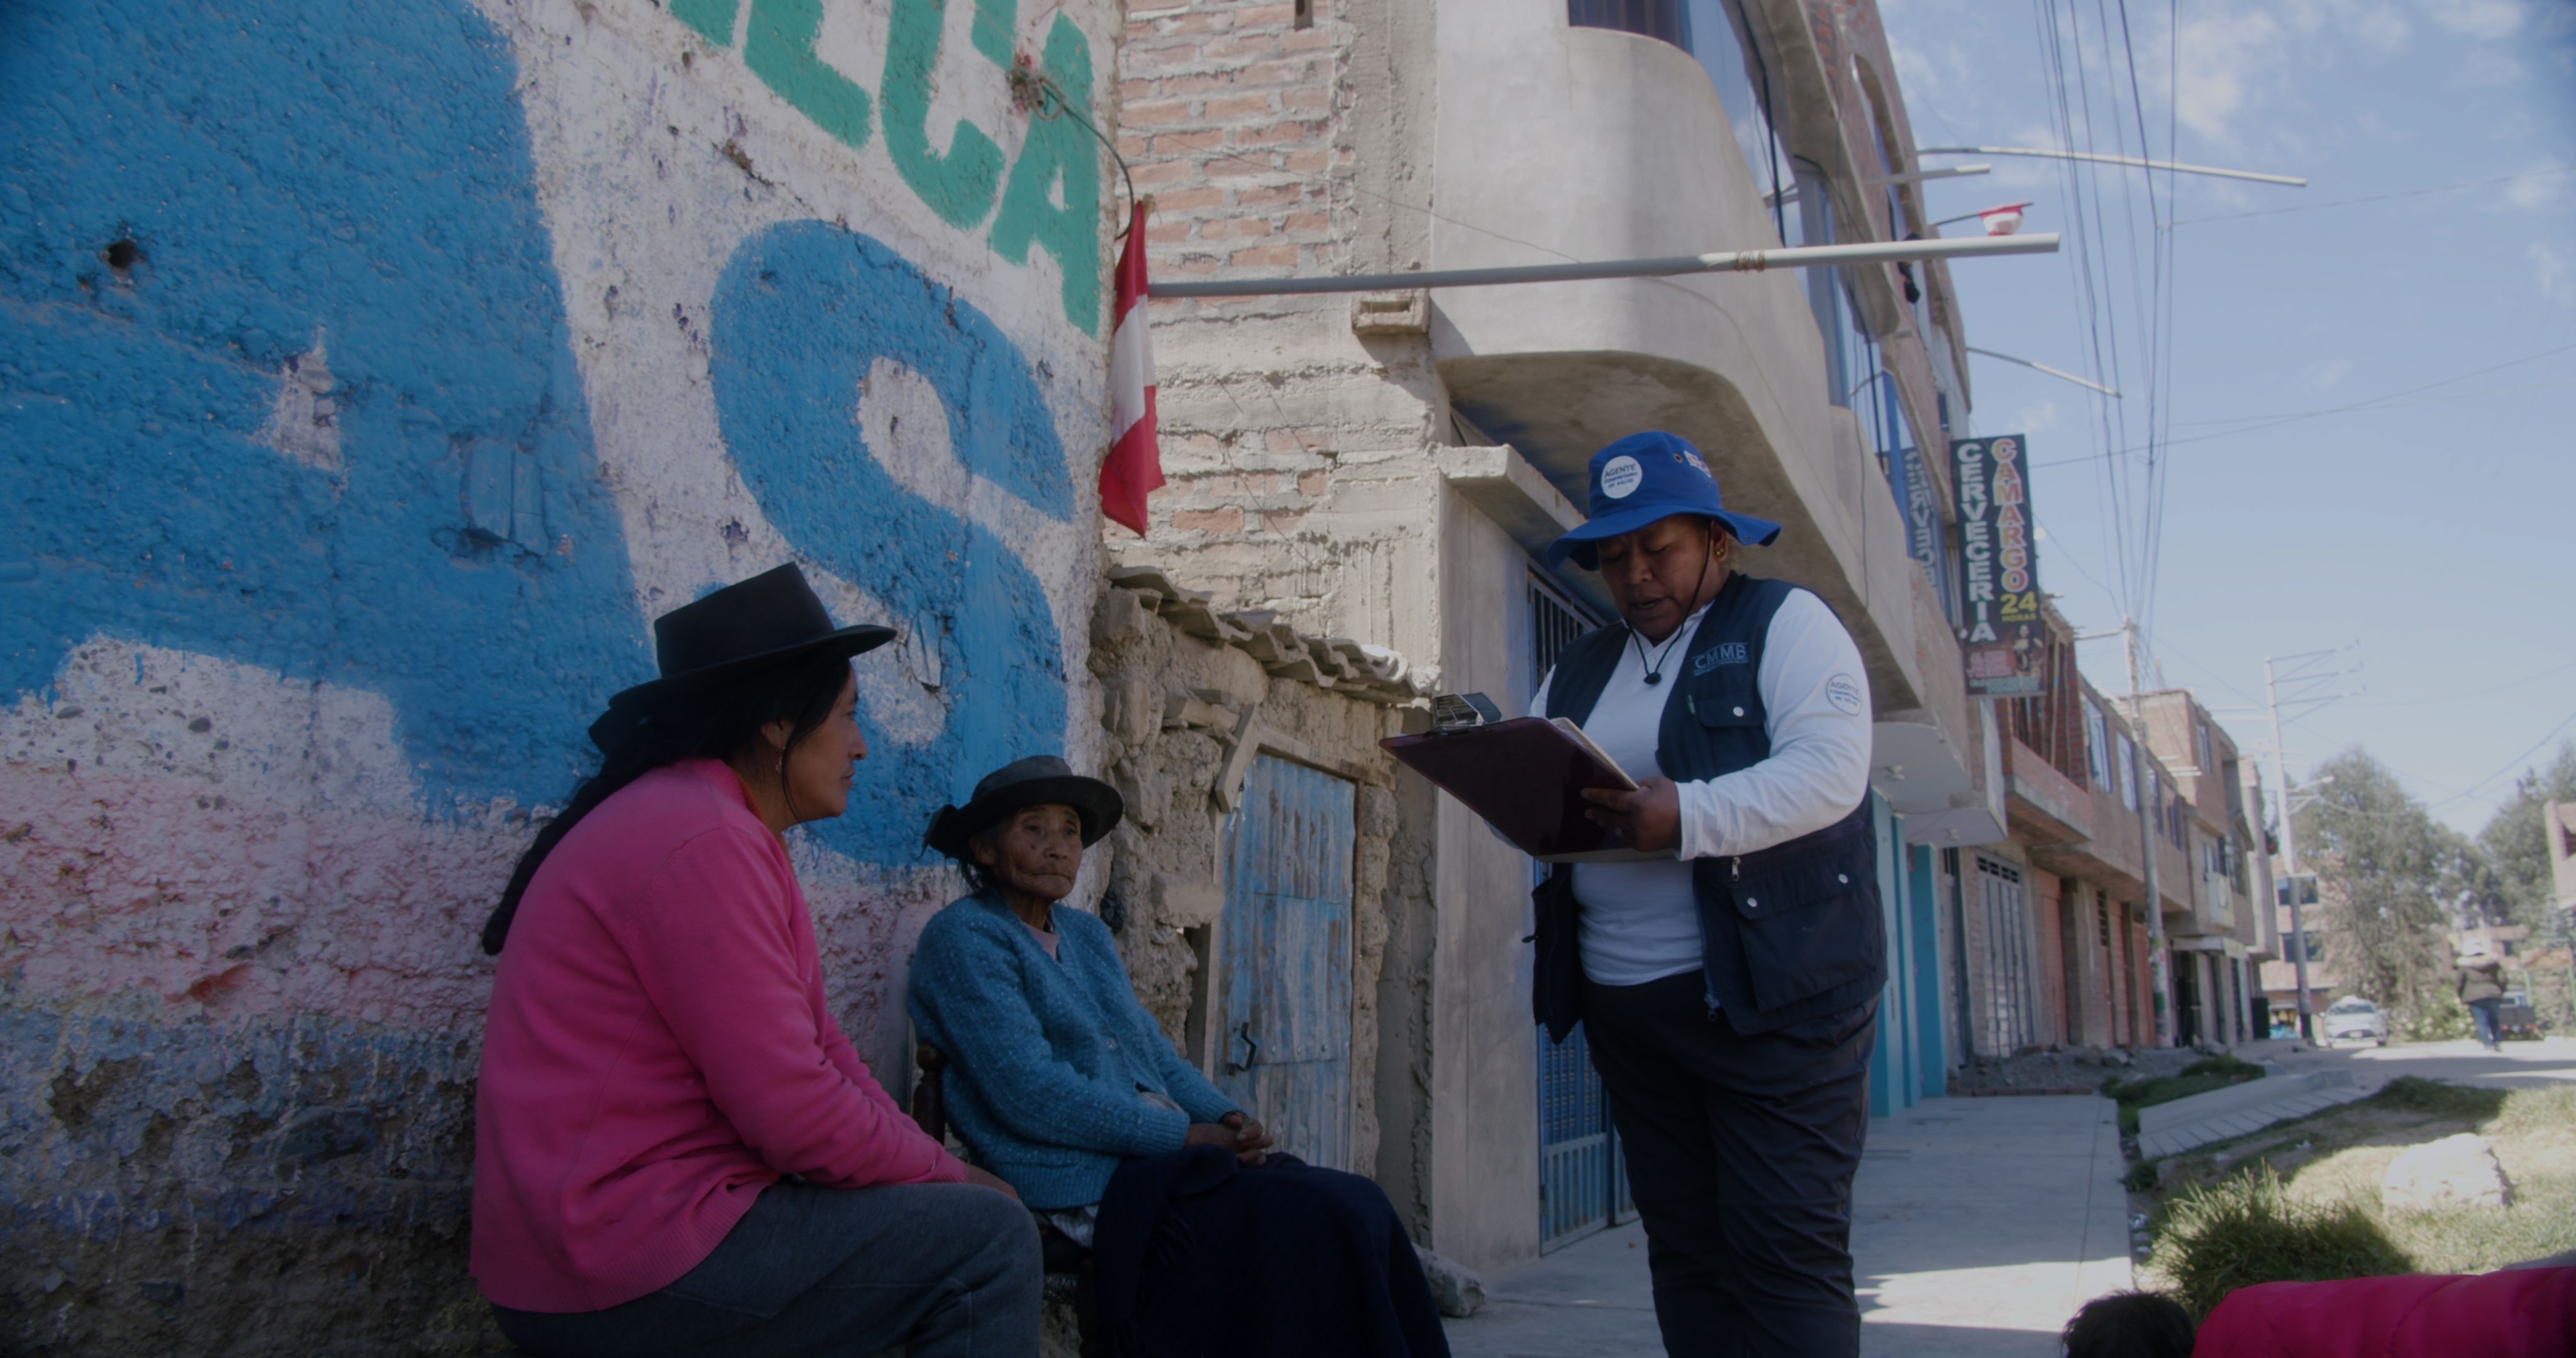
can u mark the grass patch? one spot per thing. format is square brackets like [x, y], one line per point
[2293, 1201]
[2249, 1229]
[2415, 1094]
[2537, 1113]
[2200, 1077]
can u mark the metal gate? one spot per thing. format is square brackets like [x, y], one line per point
[2008, 957]
[1285, 941]
[1582, 1177]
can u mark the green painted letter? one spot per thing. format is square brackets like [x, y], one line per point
[713, 19]
[958, 186]
[780, 50]
[1059, 148]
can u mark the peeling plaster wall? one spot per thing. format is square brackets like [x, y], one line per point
[369, 377]
[1173, 707]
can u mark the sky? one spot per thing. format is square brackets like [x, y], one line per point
[2360, 411]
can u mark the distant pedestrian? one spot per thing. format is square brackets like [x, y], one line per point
[2480, 982]
[676, 1151]
[1727, 981]
[2129, 1325]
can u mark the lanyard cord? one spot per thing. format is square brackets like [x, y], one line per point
[1655, 669]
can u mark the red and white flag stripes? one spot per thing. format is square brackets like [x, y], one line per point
[1135, 463]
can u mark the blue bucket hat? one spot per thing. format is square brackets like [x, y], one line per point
[1645, 477]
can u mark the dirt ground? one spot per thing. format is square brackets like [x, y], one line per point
[2068, 1069]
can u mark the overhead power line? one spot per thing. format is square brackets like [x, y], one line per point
[2369, 403]
[2380, 197]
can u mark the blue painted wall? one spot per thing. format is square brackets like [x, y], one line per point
[1891, 1079]
[238, 1118]
[802, 313]
[279, 171]
[1923, 901]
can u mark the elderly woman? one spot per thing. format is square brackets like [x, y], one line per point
[1062, 1084]
[677, 1152]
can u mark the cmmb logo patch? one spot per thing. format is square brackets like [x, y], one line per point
[1723, 653]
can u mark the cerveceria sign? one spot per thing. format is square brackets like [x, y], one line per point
[2006, 649]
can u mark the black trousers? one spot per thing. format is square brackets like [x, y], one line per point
[1740, 1152]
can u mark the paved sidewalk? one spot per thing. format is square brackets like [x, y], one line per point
[1979, 1226]
[2521, 1065]
[2242, 1110]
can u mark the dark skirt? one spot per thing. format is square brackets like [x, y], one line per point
[1197, 1256]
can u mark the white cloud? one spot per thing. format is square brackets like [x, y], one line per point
[2381, 27]
[2222, 56]
[2487, 66]
[2036, 419]
[2542, 186]
[2325, 375]
[2233, 62]
[2553, 273]
[2482, 19]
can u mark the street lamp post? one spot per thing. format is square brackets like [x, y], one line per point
[2093, 157]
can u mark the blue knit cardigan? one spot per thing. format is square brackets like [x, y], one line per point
[1047, 1054]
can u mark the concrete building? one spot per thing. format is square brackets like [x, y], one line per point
[2068, 891]
[2074, 777]
[2280, 976]
[2220, 940]
[1386, 468]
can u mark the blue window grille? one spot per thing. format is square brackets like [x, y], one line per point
[1583, 1181]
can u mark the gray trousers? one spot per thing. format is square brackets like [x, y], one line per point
[952, 1268]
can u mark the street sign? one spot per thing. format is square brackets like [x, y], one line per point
[2004, 642]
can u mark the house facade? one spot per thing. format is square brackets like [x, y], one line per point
[1388, 467]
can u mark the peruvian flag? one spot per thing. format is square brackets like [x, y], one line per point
[2002, 221]
[1135, 465]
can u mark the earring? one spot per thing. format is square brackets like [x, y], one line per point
[782, 766]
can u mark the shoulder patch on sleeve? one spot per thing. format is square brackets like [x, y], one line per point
[1845, 693]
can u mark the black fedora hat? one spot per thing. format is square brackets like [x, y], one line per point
[1039, 780]
[770, 619]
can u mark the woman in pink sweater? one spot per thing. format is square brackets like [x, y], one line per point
[676, 1150]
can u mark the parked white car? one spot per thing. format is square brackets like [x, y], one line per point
[2352, 1019]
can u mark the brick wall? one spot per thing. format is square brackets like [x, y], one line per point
[1269, 144]
[1227, 120]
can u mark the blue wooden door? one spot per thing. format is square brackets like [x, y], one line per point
[1285, 941]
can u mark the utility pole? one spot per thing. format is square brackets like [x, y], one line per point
[2150, 793]
[2289, 853]
[2299, 674]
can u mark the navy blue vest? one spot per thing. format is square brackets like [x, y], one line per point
[1788, 933]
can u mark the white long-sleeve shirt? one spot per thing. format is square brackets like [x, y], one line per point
[1640, 921]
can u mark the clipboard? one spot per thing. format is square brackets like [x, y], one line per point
[1525, 776]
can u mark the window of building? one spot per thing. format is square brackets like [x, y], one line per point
[2096, 744]
[1851, 356]
[1716, 34]
[1665, 19]
[2208, 760]
[2128, 766]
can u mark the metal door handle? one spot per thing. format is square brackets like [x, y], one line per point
[1252, 1057]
